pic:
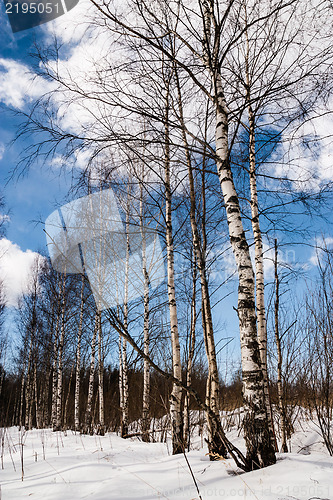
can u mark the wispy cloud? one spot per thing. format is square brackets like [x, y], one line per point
[4, 218]
[320, 244]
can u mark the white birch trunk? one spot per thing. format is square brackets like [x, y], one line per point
[59, 378]
[67, 397]
[121, 383]
[78, 363]
[176, 395]
[146, 368]
[259, 254]
[123, 343]
[54, 387]
[30, 386]
[88, 416]
[124, 408]
[36, 402]
[60, 359]
[55, 377]
[191, 347]
[22, 396]
[282, 410]
[101, 426]
[55, 364]
[28, 390]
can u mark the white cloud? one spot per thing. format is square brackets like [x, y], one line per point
[15, 270]
[2, 150]
[18, 84]
[70, 28]
[307, 154]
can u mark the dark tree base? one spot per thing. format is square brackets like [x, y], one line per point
[260, 449]
[216, 446]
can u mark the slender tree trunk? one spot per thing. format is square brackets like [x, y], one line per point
[54, 380]
[124, 388]
[259, 254]
[121, 383]
[65, 426]
[191, 347]
[59, 382]
[88, 416]
[123, 342]
[22, 392]
[101, 426]
[282, 410]
[56, 343]
[176, 413]
[55, 371]
[145, 427]
[45, 421]
[37, 402]
[59, 374]
[29, 388]
[78, 362]
[47, 382]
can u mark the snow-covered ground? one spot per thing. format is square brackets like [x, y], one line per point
[74, 466]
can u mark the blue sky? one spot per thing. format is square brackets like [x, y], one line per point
[30, 197]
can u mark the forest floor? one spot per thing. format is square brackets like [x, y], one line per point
[69, 466]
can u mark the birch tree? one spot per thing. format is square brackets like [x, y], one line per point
[282, 410]
[58, 389]
[190, 356]
[78, 359]
[88, 414]
[146, 330]
[101, 427]
[176, 395]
